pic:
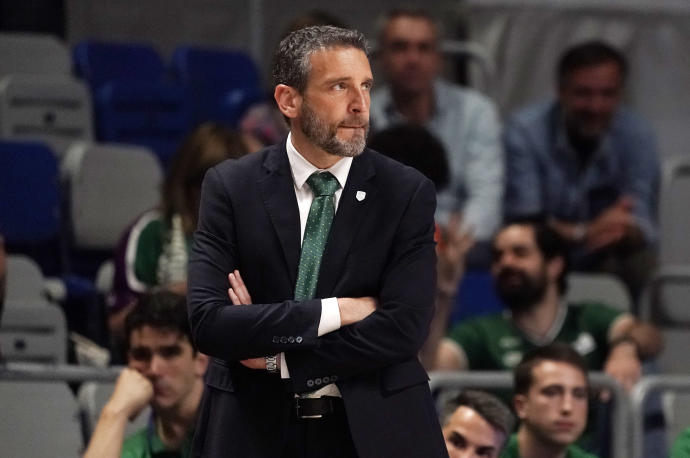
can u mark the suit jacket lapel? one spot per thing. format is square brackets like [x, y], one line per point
[278, 194]
[344, 228]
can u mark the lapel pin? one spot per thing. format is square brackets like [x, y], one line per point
[360, 195]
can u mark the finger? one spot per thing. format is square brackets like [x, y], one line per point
[233, 297]
[239, 288]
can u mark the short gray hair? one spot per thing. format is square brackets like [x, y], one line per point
[291, 64]
[489, 407]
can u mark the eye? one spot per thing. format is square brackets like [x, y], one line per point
[339, 86]
[580, 393]
[368, 85]
[140, 354]
[170, 351]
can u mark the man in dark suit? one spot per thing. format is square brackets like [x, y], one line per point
[315, 353]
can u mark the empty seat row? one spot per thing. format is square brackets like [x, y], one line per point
[125, 88]
[83, 203]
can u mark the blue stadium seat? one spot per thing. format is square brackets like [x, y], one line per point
[476, 297]
[100, 62]
[133, 103]
[30, 216]
[222, 83]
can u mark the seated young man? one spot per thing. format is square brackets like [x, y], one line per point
[164, 371]
[476, 424]
[551, 397]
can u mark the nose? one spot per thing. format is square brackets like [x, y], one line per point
[155, 365]
[360, 101]
[567, 404]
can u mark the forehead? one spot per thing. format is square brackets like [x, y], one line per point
[515, 235]
[410, 28]
[473, 427]
[604, 74]
[557, 373]
[148, 336]
[339, 62]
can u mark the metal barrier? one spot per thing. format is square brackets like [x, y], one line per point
[639, 395]
[504, 380]
[29, 372]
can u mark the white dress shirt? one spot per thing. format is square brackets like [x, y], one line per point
[301, 170]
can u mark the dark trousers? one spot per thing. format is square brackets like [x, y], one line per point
[328, 436]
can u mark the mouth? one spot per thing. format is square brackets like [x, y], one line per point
[564, 426]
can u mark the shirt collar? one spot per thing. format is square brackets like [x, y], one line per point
[302, 168]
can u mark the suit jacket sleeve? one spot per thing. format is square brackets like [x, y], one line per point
[221, 329]
[397, 329]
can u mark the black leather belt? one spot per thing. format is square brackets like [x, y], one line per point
[317, 407]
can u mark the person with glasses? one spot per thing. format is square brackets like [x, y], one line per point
[164, 371]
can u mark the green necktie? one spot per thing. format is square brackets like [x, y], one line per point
[321, 212]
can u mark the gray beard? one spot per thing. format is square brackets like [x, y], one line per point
[325, 136]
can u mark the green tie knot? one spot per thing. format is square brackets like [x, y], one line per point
[322, 183]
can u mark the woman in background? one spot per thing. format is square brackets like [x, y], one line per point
[153, 252]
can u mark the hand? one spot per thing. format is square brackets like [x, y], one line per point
[239, 295]
[238, 292]
[132, 394]
[611, 226]
[624, 365]
[355, 309]
[451, 249]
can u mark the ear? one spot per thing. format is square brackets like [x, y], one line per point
[519, 403]
[555, 267]
[288, 99]
[200, 364]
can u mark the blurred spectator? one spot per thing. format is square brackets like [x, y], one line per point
[476, 424]
[529, 270]
[466, 122]
[153, 252]
[263, 121]
[590, 166]
[164, 371]
[415, 146]
[551, 401]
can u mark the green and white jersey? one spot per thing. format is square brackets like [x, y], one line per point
[494, 342]
[511, 450]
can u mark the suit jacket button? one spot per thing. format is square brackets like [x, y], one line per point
[317, 381]
[326, 380]
[298, 339]
[310, 383]
[283, 339]
[334, 378]
[291, 339]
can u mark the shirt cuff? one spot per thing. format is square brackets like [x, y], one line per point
[330, 316]
[284, 372]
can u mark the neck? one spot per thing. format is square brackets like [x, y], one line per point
[531, 447]
[312, 153]
[173, 425]
[415, 107]
[539, 318]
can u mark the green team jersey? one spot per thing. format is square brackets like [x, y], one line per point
[511, 450]
[494, 342]
[143, 444]
[681, 447]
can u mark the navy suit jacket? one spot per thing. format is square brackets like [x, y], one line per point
[381, 246]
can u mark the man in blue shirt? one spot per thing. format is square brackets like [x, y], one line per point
[465, 121]
[588, 165]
